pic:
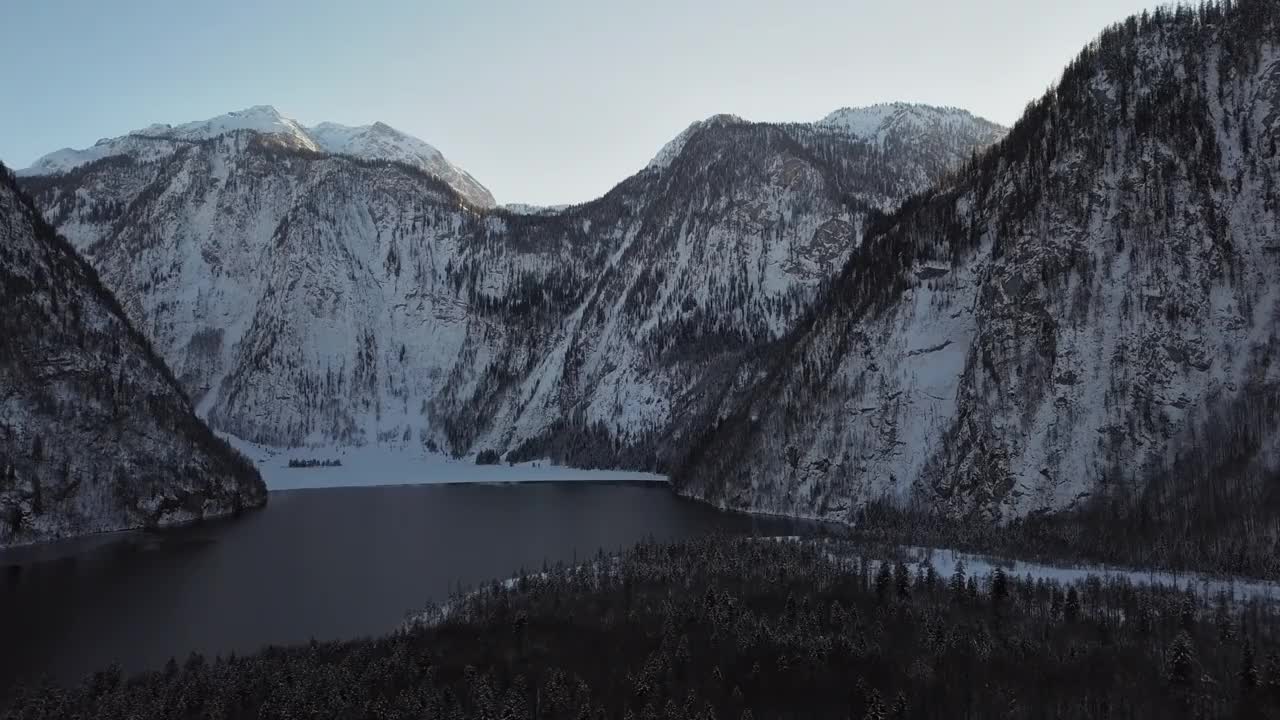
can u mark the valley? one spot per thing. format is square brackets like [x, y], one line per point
[895, 412]
[307, 297]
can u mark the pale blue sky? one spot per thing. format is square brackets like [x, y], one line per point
[550, 101]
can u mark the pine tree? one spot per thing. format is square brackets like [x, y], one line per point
[884, 578]
[875, 707]
[520, 626]
[1222, 618]
[900, 705]
[902, 579]
[1146, 614]
[836, 617]
[1071, 609]
[956, 586]
[1273, 671]
[1181, 660]
[515, 706]
[682, 654]
[1187, 611]
[999, 587]
[1249, 677]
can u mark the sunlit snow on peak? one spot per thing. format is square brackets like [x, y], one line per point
[378, 141]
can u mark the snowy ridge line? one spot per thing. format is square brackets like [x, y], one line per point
[306, 300]
[378, 141]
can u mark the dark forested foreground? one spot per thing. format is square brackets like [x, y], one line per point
[744, 628]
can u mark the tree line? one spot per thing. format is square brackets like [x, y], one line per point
[742, 628]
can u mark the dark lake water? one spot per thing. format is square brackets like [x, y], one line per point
[329, 564]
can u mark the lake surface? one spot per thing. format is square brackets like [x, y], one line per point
[330, 564]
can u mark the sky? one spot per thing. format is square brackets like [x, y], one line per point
[543, 101]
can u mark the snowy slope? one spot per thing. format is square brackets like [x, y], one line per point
[371, 142]
[310, 298]
[929, 140]
[262, 119]
[943, 133]
[884, 122]
[95, 434]
[142, 148]
[1089, 311]
[380, 141]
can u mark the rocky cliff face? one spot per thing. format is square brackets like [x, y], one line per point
[313, 298]
[1085, 316]
[95, 433]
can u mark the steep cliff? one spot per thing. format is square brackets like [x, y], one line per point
[95, 433]
[1084, 317]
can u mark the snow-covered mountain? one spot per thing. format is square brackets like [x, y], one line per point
[1086, 317]
[262, 119]
[95, 433]
[949, 133]
[675, 146]
[944, 136]
[380, 141]
[370, 142]
[308, 297]
[886, 123]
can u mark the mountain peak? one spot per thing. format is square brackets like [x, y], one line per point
[875, 123]
[911, 122]
[672, 149]
[258, 118]
[722, 119]
[378, 141]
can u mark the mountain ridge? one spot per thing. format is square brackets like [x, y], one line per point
[378, 141]
[310, 299]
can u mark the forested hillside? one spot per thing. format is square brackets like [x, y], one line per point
[95, 433]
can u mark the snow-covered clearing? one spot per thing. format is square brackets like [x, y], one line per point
[370, 466]
[944, 561]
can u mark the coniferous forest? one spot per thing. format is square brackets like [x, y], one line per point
[743, 628]
[314, 462]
